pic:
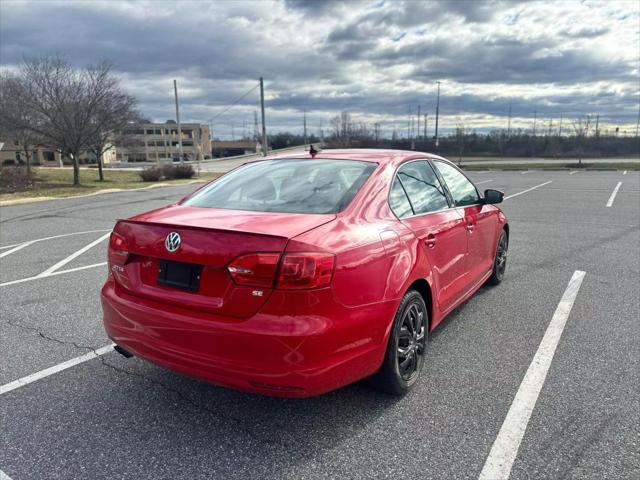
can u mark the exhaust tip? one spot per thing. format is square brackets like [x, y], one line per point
[122, 351]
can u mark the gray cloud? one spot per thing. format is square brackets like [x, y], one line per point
[375, 58]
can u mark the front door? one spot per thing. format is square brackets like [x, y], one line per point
[479, 219]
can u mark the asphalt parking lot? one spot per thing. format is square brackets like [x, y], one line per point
[111, 417]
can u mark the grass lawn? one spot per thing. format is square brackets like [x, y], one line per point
[553, 166]
[58, 182]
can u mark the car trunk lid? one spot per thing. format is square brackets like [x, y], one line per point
[209, 240]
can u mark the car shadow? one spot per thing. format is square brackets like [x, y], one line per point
[274, 435]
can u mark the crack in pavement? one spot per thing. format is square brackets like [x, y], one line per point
[47, 337]
[121, 370]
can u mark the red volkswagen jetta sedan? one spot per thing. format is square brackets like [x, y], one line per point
[295, 276]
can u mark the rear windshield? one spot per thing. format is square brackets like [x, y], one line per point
[288, 186]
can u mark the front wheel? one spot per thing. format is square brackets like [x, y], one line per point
[500, 263]
[404, 357]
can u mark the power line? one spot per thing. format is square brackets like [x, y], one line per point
[235, 102]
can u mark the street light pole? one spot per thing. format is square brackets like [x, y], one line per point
[264, 127]
[175, 89]
[437, 112]
[304, 126]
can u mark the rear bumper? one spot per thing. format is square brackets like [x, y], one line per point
[300, 344]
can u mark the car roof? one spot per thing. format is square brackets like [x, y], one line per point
[381, 156]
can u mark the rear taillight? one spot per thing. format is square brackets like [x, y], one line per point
[305, 270]
[297, 271]
[118, 252]
[255, 270]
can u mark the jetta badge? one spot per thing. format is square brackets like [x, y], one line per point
[172, 242]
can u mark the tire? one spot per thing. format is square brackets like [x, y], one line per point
[408, 334]
[500, 262]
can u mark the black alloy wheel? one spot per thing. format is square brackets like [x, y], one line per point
[500, 263]
[406, 348]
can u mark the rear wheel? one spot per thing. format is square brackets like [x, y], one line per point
[500, 263]
[404, 357]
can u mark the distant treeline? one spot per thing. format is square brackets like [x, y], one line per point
[477, 144]
[493, 144]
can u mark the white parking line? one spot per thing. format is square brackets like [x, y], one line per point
[525, 172]
[59, 272]
[624, 173]
[505, 448]
[484, 181]
[21, 382]
[573, 171]
[16, 248]
[63, 262]
[4, 476]
[29, 242]
[613, 194]
[527, 190]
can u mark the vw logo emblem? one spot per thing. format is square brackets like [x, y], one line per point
[172, 242]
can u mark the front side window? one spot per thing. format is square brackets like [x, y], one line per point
[423, 187]
[288, 186]
[462, 190]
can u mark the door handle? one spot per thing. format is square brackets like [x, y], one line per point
[431, 240]
[470, 227]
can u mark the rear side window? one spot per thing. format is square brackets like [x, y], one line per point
[424, 191]
[398, 200]
[462, 190]
[288, 186]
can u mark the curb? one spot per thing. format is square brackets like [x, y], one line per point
[21, 201]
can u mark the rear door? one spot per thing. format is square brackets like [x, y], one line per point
[479, 219]
[420, 202]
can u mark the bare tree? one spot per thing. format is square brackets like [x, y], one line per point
[581, 128]
[70, 106]
[15, 119]
[109, 118]
[461, 134]
[342, 127]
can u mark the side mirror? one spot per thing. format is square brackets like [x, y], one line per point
[493, 196]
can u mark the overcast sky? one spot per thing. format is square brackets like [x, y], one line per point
[377, 59]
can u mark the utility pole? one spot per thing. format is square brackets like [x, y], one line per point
[638, 122]
[321, 134]
[437, 111]
[535, 119]
[304, 125]
[175, 89]
[255, 126]
[264, 126]
[560, 127]
[597, 124]
[425, 126]
[418, 128]
[509, 123]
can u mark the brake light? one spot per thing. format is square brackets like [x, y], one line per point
[255, 269]
[306, 270]
[118, 252]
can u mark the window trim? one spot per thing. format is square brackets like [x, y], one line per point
[437, 173]
[444, 182]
